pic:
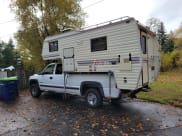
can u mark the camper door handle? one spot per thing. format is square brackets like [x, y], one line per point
[129, 56]
[50, 77]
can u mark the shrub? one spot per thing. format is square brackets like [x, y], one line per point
[166, 62]
[177, 58]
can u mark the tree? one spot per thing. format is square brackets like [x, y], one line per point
[41, 18]
[169, 45]
[162, 37]
[7, 54]
[157, 26]
[153, 24]
[178, 37]
[1, 55]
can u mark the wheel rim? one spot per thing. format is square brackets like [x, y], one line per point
[92, 99]
[34, 92]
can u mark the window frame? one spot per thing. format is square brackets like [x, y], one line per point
[44, 72]
[144, 44]
[53, 46]
[57, 71]
[95, 42]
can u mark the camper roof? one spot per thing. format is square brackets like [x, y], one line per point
[64, 34]
[125, 19]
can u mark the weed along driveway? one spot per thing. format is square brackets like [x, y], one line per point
[51, 115]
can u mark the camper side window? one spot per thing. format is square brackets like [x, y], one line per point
[99, 44]
[143, 44]
[53, 46]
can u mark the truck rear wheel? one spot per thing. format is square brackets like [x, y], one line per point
[34, 90]
[93, 98]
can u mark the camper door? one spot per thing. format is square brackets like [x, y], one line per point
[68, 61]
[144, 47]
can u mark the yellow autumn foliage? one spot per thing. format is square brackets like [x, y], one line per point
[171, 60]
[166, 61]
[177, 58]
[178, 37]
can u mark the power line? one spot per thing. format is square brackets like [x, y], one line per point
[5, 35]
[93, 4]
[7, 21]
[13, 20]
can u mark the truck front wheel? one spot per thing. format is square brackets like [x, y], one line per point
[34, 90]
[93, 98]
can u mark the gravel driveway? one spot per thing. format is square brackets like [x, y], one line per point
[51, 115]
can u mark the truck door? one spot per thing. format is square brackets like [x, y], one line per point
[46, 77]
[52, 78]
[58, 79]
[144, 47]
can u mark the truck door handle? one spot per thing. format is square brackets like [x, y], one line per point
[50, 77]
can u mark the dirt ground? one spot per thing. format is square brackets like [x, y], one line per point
[50, 115]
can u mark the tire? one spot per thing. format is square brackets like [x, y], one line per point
[34, 90]
[93, 98]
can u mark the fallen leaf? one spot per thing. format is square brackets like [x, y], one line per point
[132, 129]
[124, 134]
[75, 134]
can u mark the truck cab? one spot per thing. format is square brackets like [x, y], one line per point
[52, 78]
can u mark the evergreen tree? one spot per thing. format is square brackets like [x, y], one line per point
[166, 42]
[169, 47]
[7, 54]
[162, 37]
[1, 55]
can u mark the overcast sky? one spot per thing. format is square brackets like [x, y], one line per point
[168, 11]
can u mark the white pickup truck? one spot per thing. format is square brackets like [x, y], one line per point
[93, 86]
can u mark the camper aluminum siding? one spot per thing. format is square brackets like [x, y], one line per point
[123, 41]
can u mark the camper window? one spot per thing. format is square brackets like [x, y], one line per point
[143, 44]
[53, 46]
[99, 44]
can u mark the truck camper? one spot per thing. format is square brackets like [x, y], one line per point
[104, 61]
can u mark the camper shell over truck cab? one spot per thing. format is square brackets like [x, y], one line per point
[118, 56]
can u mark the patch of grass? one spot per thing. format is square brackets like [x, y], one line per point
[166, 90]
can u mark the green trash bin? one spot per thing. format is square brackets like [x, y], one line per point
[8, 88]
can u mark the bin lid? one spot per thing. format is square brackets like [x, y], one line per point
[8, 78]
